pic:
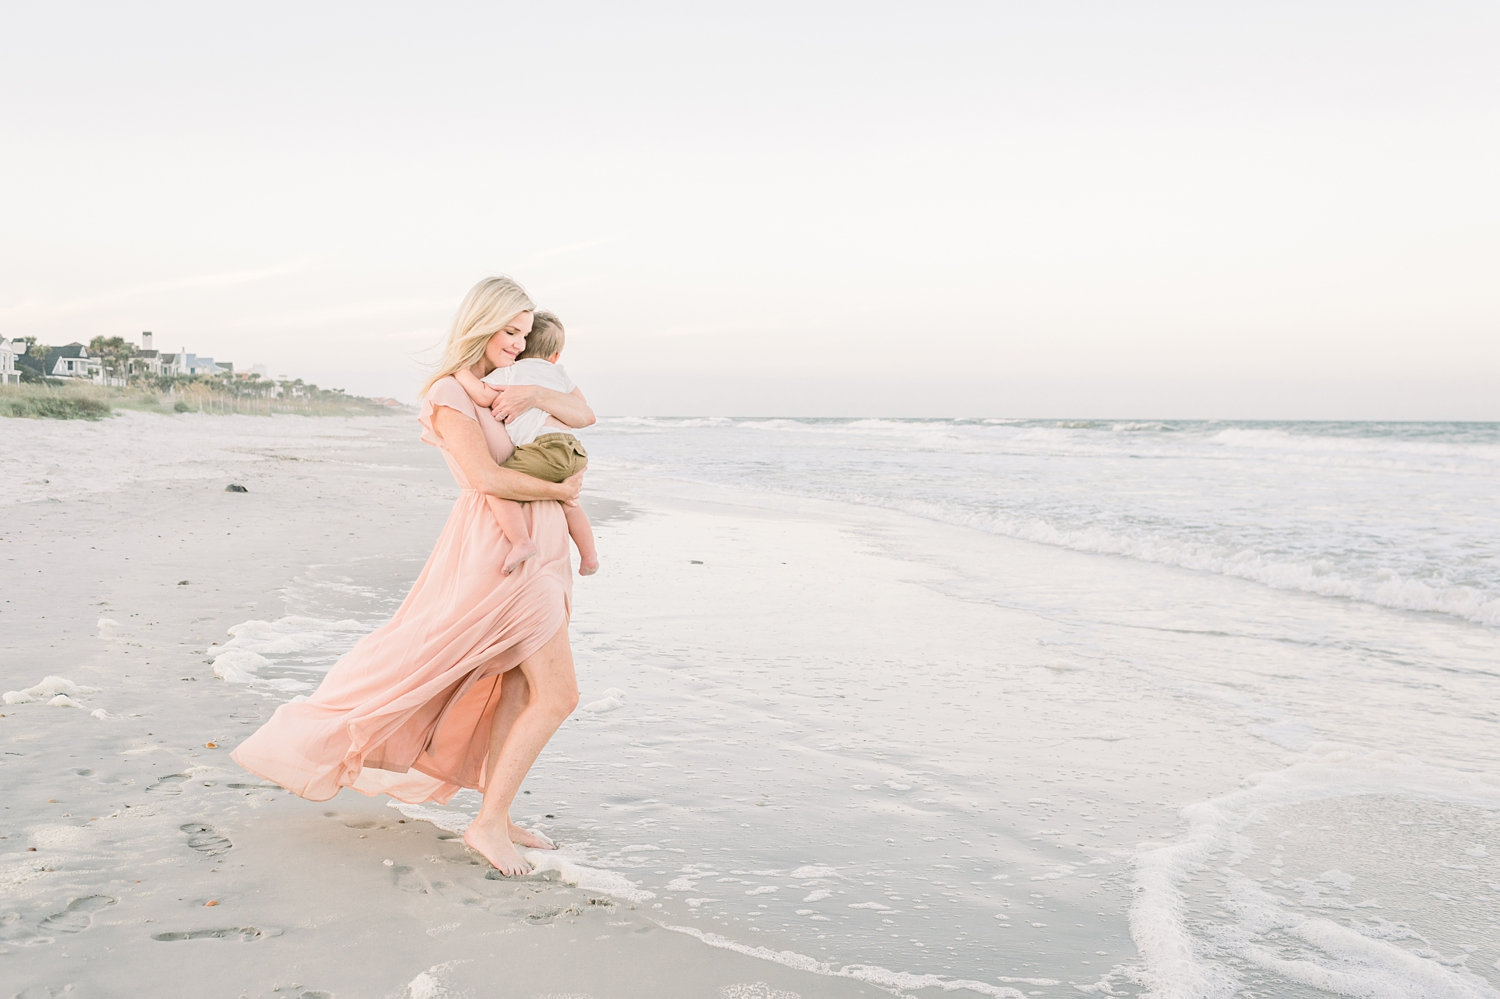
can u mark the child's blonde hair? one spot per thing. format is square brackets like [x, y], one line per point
[486, 309]
[546, 337]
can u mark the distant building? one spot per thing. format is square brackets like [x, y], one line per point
[146, 361]
[9, 375]
[192, 364]
[73, 361]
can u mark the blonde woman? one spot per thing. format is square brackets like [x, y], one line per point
[470, 678]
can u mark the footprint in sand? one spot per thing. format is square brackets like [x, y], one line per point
[78, 915]
[407, 879]
[552, 913]
[245, 933]
[256, 787]
[170, 784]
[206, 839]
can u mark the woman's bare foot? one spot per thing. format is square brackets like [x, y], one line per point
[587, 566]
[519, 553]
[531, 838]
[498, 850]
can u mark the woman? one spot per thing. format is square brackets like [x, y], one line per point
[470, 678]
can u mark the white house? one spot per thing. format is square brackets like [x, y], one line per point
[73, 361]
[183, 363]
[8, 373]
[196, 365]
[146, 360]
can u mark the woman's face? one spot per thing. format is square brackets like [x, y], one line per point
[505, 345]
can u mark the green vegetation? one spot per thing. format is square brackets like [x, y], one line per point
[44, 402]
[66, 399]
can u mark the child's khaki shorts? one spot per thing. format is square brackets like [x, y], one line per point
[551, 457]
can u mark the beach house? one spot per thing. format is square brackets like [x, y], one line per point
[192, 364]
[146, 361]
[73, 361]
[208, 366]
[9, 375]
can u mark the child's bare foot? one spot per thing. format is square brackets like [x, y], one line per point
[587, 566]
[498, 850]
[519, 553]
[531, 838]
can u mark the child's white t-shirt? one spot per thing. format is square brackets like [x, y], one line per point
[523, 429]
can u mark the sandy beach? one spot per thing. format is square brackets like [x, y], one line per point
[822, 750]
[138, 860]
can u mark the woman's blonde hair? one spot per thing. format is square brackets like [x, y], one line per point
[486, 309]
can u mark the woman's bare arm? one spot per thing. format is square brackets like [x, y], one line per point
[569, 408]
[463, 439]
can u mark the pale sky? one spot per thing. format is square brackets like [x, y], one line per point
[1092, 209]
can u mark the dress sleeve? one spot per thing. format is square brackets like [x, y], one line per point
[444, 392]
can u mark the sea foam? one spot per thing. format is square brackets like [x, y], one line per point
[1181, 962]
[55, 690]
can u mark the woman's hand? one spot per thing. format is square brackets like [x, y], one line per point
[513, 400]
[464, 441]
[571, 487]
[570, 409]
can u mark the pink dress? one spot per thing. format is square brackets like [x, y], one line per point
[407, 711]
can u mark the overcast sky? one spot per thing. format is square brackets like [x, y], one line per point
[1131, 209]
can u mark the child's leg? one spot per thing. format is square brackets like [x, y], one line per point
[513, 525]
[582, 533]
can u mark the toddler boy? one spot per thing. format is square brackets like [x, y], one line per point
[545, 449]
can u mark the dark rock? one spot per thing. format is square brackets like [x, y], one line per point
[235, 487]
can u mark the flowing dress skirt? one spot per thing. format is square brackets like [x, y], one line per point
[407, 711]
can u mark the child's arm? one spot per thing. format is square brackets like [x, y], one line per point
[568, 408]
[482, 394]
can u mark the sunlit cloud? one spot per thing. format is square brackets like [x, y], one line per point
[354, 311]
[38, 310]
[558, 251]
[223, 279]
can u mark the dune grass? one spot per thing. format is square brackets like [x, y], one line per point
[47, 402]
[60, 401]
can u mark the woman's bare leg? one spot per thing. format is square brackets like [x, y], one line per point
[515, 744]
[514, 693]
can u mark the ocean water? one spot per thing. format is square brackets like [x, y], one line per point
[1402, 515]
[1167, 709]
[1254, 750]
